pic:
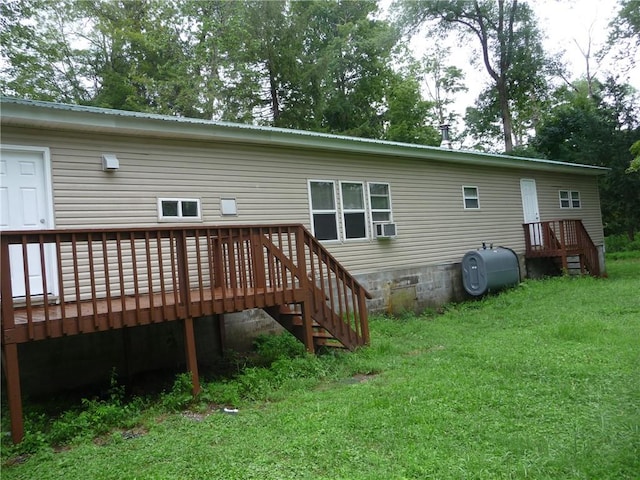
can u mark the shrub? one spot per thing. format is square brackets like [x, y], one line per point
[273, 347]
[621, 243]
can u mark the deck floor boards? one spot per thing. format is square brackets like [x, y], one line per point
[72, 318]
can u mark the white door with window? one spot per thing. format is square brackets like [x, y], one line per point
[26, 204]
[530, 209]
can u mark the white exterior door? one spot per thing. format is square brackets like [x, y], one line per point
[26, 204]
[530, 209]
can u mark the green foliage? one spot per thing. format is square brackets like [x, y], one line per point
[512, 53]
[180, 396]
[92, 418]
[622, 243]
[626, 23]
[634, 165]
[408, 115]
[321, 66]
[274, 347]
[596, 124]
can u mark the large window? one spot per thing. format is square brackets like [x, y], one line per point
[179, 210]
[323, 209]
[353, 210]
[380, 202]
[358, 205]
[569, 199]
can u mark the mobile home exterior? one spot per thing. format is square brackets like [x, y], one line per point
[274, 216]
[165, 170]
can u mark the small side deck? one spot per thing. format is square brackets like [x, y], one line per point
[561, 240]
[58, 283]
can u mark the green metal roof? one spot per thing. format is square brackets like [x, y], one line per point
[59, 116]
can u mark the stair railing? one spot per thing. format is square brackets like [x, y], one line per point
[338, 299]
[562, 238]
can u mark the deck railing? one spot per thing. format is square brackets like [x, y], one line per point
[562, 239]
[118, 277]
[80, 281]
[68, 282]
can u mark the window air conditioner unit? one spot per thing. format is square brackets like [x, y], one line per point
[385, 230]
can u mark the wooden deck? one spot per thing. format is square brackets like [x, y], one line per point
[131, 311]
[562, 240]
[68, 282]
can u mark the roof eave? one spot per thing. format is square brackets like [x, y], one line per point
[41, 115]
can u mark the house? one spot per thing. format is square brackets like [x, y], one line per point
[394, 219]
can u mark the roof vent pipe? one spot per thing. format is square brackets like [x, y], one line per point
[446, 142]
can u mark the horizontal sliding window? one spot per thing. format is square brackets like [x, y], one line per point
[179, 209]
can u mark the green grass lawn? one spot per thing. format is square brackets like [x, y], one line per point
[541, 381]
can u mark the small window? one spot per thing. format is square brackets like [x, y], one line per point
[569, 199]
[575, 200]
[471, 198]
[353, 210]
[324, 215]
[380, 202]
[179, 209]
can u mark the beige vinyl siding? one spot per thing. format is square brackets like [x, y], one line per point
[271, 186]
[589, 212]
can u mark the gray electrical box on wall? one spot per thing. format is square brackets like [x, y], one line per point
[489, 269]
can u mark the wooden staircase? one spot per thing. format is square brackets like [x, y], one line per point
[291, 318]
[567, 242]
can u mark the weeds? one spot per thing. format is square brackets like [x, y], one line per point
[279, 361]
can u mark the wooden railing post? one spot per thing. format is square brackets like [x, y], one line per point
[307, 285]
[364, 321]
[183, 271]
[10, 361]
[185, 299]
[563, 246]
[257, 254]
[6, 290]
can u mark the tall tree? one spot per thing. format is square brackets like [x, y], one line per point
[626, 24]
[36, 45]
[323, 65]
[356, 52]
[598, 129]
[408, 117]
[442, 82]
[509, 43]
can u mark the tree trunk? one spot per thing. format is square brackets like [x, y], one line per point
[505, 114]
[273, 92]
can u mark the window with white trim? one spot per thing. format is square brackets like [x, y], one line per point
[380, 202]
[324, 214]
[471, 198]
[570, 199]
[359, 205]
[179, 210]
[354, 221]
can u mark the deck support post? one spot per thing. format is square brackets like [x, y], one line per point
[12, 375]
[307, 325]
[222, 334]
[192, 358]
